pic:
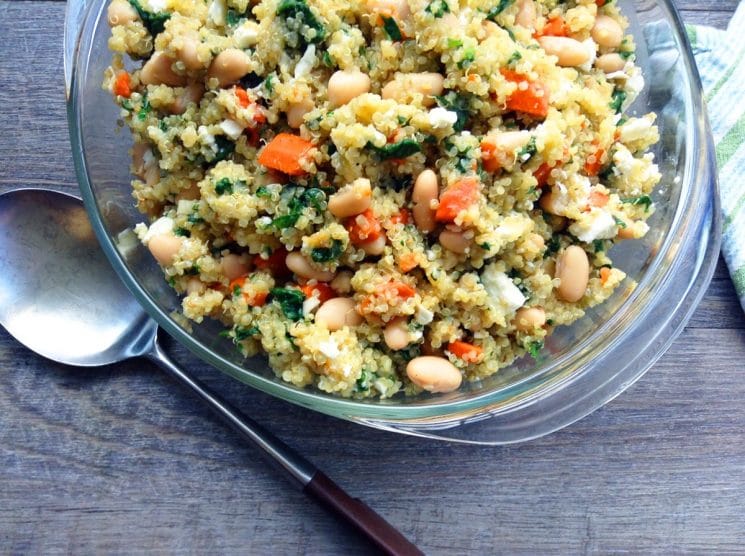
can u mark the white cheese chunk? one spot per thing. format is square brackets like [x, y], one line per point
[310, 304]
[635, 129]
[162, 225]
[232, 129]
[423, 315]
[591, 48]
[217, 13]
[158, 5]
[329, 348]
[597, 224]
[440, 118]
[306, 63]
[246, 34]
[502, 289]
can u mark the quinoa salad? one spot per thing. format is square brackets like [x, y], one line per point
[384, 196]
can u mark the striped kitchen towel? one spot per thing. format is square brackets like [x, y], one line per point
[720, 56]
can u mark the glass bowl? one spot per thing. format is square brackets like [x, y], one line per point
[582, 366]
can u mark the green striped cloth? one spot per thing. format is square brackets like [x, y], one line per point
[720, 56]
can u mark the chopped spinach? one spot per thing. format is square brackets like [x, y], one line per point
[528, 150]
[327, 60]
[619, 222]
[516, 56]
[362, 384]
[469, 55]
[298, 199]
[402, 149]
[643, 200]
[242, 333]
[144, 110]
[534, 348]
[153, 22]
[290, 300]
[455, 43]
[194, 218]
[326, 254]
[437, 8]
[553, 246]
[458, 103]
[606, 173]
[223, 186]
[300, 14]
[494, 11]
[182, 232]
[262, 191]
[625, 54]
[225, 148]
[619, 97]
[268, 84]
[598, 245]
[391, 28]
[127, 105]
[233, 17]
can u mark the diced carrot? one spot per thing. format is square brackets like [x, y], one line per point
[604, 274]
[555, 27]
[285, 153]
[600, 3]
[403, 290]
[408, 261]
[594, 162]
[275, 264]
[324, 291]
[542, 173]
[401, 217]
[489, 158]
[465, 351]
[457, 197]
[242, 97]
[533, 100]
[363, 228]
[598, 198]
[123, 85]
[253, 298]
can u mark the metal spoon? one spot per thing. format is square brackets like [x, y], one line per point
[60, 298]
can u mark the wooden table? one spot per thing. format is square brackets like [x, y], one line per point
[121, 460]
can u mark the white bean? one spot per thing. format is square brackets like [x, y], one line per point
[233, 266]
[192, 95]
[351, 199]
[337, 313]
[610, 63]
[229, 66]
[344, 85]
[526, 14]
[426, 190]
[158, 70]
[607, 32]
[374, 247]
[434, 374]
[570, 52]
[298, 264]
[164, 247]
[396, 334]
[455, 241]
[342, 282]
[120, 12]
[573, 270]
[528, 319]
[297, 111]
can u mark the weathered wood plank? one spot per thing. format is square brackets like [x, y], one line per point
[121, 460]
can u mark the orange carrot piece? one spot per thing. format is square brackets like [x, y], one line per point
[123, 85]
[533, 101]
[467, 352]
[324, 291]
[598, 198]
[594, 162]
[401, 217]
[363, 228]
[489, 158]
[459, 196]
[542, 173]
[555, 27]
[253, 298]
[285, 153]
[242, 97]
[604, 274]
[408, 262]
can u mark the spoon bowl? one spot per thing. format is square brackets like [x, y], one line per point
[58, 294]
[60, 298]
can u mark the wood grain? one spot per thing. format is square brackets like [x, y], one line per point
[121, 460]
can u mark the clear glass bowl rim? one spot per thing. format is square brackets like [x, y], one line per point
[434, 416]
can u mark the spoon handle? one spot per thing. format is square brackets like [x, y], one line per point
[303, 473]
